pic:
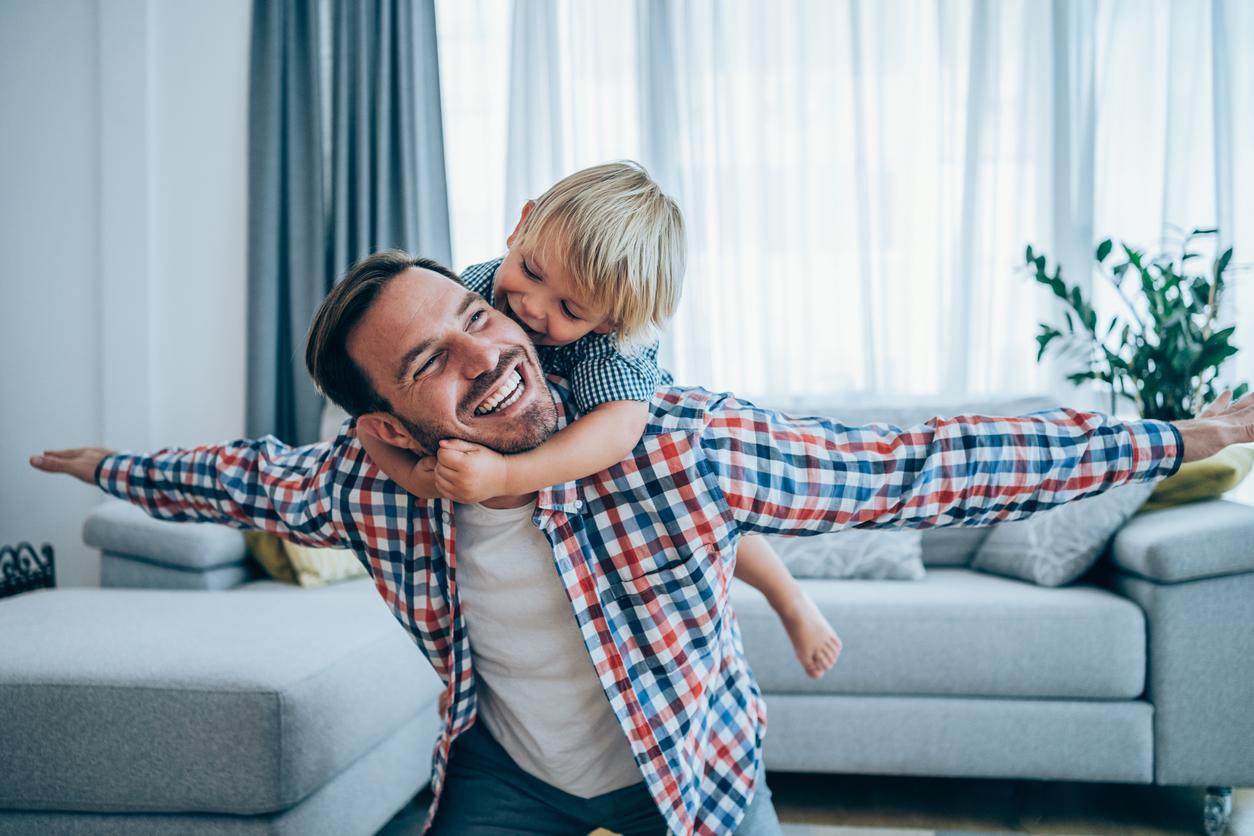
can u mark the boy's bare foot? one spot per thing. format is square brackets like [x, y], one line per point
[815, 642]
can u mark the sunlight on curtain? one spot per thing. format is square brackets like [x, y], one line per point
[474, 81]
[859, 179]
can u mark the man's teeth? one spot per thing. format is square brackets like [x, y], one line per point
[510, 390]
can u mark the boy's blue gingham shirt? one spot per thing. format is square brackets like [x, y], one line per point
[645, 549]
[597, 370]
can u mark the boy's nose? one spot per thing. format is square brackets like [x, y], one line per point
[533, 310]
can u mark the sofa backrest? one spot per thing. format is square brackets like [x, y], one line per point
[951, 546]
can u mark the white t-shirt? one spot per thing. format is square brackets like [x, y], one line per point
[538, 692]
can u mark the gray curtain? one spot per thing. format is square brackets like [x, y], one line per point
[346, 156]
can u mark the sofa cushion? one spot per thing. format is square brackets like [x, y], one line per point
[953, 545]
[235, 702]
[1057, 546]
[852, 553]
[123, 529]
[957, 633]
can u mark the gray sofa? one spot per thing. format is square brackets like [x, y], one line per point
[177, 708]
[270, 709]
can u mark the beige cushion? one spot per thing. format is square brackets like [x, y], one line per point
[317, 567]
[267, 550]
[304, 565]
[1205, 479]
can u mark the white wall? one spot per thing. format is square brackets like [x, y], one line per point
[123, 228]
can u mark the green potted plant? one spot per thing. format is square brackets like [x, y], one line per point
[1163, 354]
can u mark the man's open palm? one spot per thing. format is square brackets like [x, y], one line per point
[1221, 423]
[80, 462]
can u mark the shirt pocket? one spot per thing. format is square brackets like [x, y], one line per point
[668, 614]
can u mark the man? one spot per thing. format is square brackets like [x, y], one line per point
[588, 626]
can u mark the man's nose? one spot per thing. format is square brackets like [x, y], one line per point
[479, 357]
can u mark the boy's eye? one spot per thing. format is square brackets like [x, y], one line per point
[531, 274]
[569, 313]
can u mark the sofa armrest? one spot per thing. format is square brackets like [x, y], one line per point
[125, 532]
[1187, 542]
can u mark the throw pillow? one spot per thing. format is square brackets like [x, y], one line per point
[854, 554]
[1205, 479]
[1057, 546]
[318, 567]
[267, 550]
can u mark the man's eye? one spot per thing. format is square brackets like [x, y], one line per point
[570, 314]
[429, 364]
[477, 317]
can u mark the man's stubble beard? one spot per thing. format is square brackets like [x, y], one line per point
[533, 426]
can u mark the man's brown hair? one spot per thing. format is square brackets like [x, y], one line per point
[326, 351]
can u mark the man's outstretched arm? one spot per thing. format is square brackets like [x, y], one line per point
[261, 484]
[783, 474]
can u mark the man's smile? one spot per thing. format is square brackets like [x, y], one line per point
[504, 395]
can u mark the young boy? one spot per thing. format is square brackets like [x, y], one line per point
[594, 269]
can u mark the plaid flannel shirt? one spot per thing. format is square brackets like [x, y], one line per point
[645, 550]
[595, 368]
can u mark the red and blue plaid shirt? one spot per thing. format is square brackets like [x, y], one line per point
[645, 550]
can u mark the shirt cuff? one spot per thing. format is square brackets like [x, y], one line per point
[100, 465]
[1157, 449]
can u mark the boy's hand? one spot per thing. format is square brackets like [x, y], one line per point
[468, 472]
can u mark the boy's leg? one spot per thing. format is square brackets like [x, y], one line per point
[815, 642]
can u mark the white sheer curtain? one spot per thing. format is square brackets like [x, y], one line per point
[859, 179]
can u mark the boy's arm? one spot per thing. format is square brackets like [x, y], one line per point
[787, 475]
[259, 484]
[595, 441]
[416, 474]
[603, 437]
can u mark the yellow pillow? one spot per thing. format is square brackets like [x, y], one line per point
[1205, 479]
[318, 567]
[268, 551]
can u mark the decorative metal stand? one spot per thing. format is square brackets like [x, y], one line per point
[1217, 810]
[22, 568]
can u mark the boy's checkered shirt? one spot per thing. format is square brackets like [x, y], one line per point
[597, 370]
[645, 550]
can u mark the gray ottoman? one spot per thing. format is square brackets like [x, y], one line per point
[255, 711]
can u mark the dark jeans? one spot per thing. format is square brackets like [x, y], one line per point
[487, 794]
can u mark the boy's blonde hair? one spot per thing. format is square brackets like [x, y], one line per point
[622, 241]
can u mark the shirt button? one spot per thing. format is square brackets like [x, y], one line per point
[578, 504]
[446, 516]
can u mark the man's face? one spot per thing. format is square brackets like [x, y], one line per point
[451, 366]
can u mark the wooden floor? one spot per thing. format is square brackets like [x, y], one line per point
[959, 804]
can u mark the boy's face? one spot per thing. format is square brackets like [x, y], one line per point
[535, 290]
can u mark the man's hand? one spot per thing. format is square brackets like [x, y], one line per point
[467, 472]
[80, 462]
[1220, 424]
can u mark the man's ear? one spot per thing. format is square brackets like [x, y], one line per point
[526, 210]
[385, 427]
